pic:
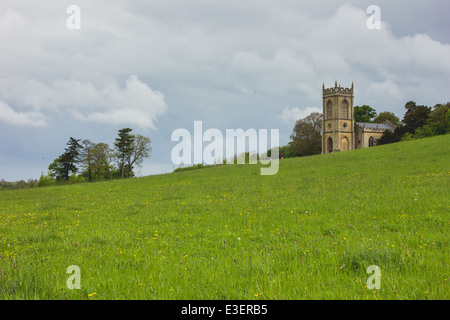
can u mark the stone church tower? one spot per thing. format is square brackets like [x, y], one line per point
[338, 125]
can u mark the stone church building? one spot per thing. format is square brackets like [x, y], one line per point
[340, 131]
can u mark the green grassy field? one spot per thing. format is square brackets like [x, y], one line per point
[308, 232]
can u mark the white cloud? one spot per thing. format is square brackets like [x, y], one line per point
[291, 115]
[30, 118]
[136, 104]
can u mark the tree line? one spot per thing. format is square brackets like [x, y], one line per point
[418, 122]
[84, 160]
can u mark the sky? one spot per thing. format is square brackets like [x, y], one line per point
[158, 66]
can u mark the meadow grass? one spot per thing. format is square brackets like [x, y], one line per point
[308, 232]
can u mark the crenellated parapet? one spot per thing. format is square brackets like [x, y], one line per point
[336, 90]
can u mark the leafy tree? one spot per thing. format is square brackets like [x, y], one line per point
[45, 181]
[364, 113]
[56, 169]
[419, 122]
[76, 179]
[437, 123]
[86, 155]
[423, 132]
[124, 148]
[410, 106]
[386, 115]
[392, 136]
[102, 156]
[307, 135]
[439, 118]
[287, 151]
[407, 137]
[70, 158]
[140, 150]
[415, 116]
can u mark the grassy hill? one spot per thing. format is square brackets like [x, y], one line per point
[308, 232]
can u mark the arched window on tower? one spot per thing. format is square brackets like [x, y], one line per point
[371, 142]
[329, 109]
[344, 109]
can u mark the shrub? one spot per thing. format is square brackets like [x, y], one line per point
[45, 181]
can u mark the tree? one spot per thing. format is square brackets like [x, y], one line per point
[97, 163]
[46, 180]
[419, 122]
[140, 150]
[410, 106]
[86, 155]
[364, 113]
[124, 148]
[386, 115]
[391, 136]
[439, 118]
[437, 122]
[424, 132]
[70, 158]
[102, 156]
[56, 169]
[307, 135]
[286, 151]
[415, 117]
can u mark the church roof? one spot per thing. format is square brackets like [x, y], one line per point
[376, 126]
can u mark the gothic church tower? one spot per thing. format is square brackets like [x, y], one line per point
[338, 125]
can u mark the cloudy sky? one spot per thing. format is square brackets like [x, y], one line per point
[157, 66]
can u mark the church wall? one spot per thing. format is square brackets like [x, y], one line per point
[358, 139]
[367, 134]
[345, 125]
